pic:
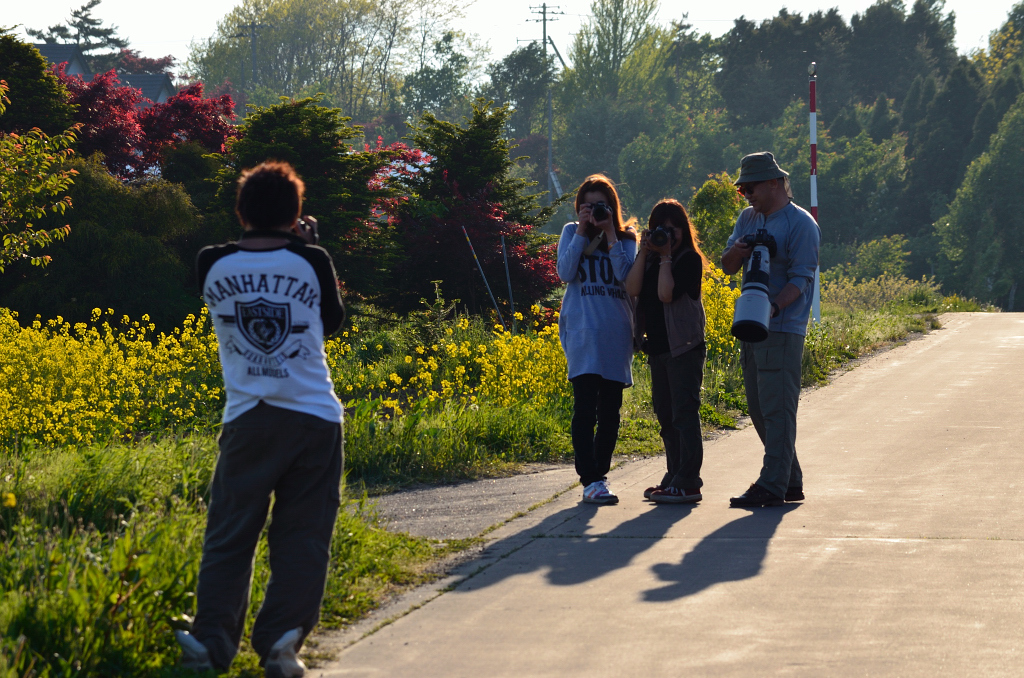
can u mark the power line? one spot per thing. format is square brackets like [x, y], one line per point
[548, 13]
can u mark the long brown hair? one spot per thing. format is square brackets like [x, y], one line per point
[604, 185]
[673, 211]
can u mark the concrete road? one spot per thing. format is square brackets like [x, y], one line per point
[906, 559]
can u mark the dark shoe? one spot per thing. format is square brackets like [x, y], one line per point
[757, 496]
[795, 494]
[673, 495]
[651, 490]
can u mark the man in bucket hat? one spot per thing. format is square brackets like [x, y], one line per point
[771, 368]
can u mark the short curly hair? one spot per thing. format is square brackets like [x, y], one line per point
[269, 195]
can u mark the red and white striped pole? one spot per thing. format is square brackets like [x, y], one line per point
[812, 71]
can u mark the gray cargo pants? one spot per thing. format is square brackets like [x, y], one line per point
[298, 458]
[771, 377]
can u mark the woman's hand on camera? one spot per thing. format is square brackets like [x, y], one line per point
[645, 243]
[584, 218]
[665, 250]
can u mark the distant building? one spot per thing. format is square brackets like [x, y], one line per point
[156, 88]
[70, 54]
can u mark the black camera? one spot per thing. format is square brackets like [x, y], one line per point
[662, 236]
[307, 229]
[761, 237]
[599, 212]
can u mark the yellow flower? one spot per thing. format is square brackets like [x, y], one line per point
[517, 315]
[408, 359]
[9, 500]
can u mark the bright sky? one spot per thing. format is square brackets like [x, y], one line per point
[156, 29]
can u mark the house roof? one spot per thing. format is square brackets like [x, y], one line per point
[58, 54]
[156, 88]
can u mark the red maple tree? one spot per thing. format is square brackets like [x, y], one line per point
[130, 136]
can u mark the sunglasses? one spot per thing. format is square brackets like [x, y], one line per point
[747, 189]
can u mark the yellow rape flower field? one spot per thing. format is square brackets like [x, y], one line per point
[116, 379]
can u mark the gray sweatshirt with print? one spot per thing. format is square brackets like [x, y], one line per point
[595, 324]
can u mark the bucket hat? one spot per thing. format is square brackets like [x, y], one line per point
[759, 167]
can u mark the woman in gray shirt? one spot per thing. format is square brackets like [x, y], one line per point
[595, 326]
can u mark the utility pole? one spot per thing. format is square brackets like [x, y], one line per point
[252, 27]
[547, 14]
[812, 71]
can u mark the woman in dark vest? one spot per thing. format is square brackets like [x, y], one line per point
[670, 323]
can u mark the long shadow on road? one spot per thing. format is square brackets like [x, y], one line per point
[733, 552]
[562, 547]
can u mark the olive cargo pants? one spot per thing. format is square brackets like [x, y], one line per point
[771, 377]
[298, 458]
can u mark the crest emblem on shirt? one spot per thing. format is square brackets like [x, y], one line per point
[263, 323]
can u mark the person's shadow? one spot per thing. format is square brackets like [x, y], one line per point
[733, 552]
[561, 546]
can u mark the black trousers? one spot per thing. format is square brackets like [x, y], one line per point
[298, 458]
[675, 391]
[596, 400]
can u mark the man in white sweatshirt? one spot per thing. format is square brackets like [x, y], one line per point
[273, 296]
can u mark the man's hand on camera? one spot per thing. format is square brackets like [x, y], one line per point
[732, 260]
[307, 228]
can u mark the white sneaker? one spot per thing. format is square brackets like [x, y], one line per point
[597, 492]
[282, 662]
[194, 654]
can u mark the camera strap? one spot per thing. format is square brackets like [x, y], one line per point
[593, 244]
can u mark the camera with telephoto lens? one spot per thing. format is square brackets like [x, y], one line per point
[599, 212]
[662, 236]
[753, 308]
[308, 230]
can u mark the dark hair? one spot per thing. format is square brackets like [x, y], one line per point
[269, 195]
[673, 211]
[604, 185]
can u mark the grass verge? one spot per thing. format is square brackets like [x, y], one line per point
[100, 549]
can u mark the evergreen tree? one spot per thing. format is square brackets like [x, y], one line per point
[882, 124]
[38, 99]
[520, 81]
[89, 34]
[845, 124]
[914, 108]
[982, 238]
[890, 48]
[940, 146]
[764, 65]
[985, 124]
[474, 160]
[467, 189]
[344, 187]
